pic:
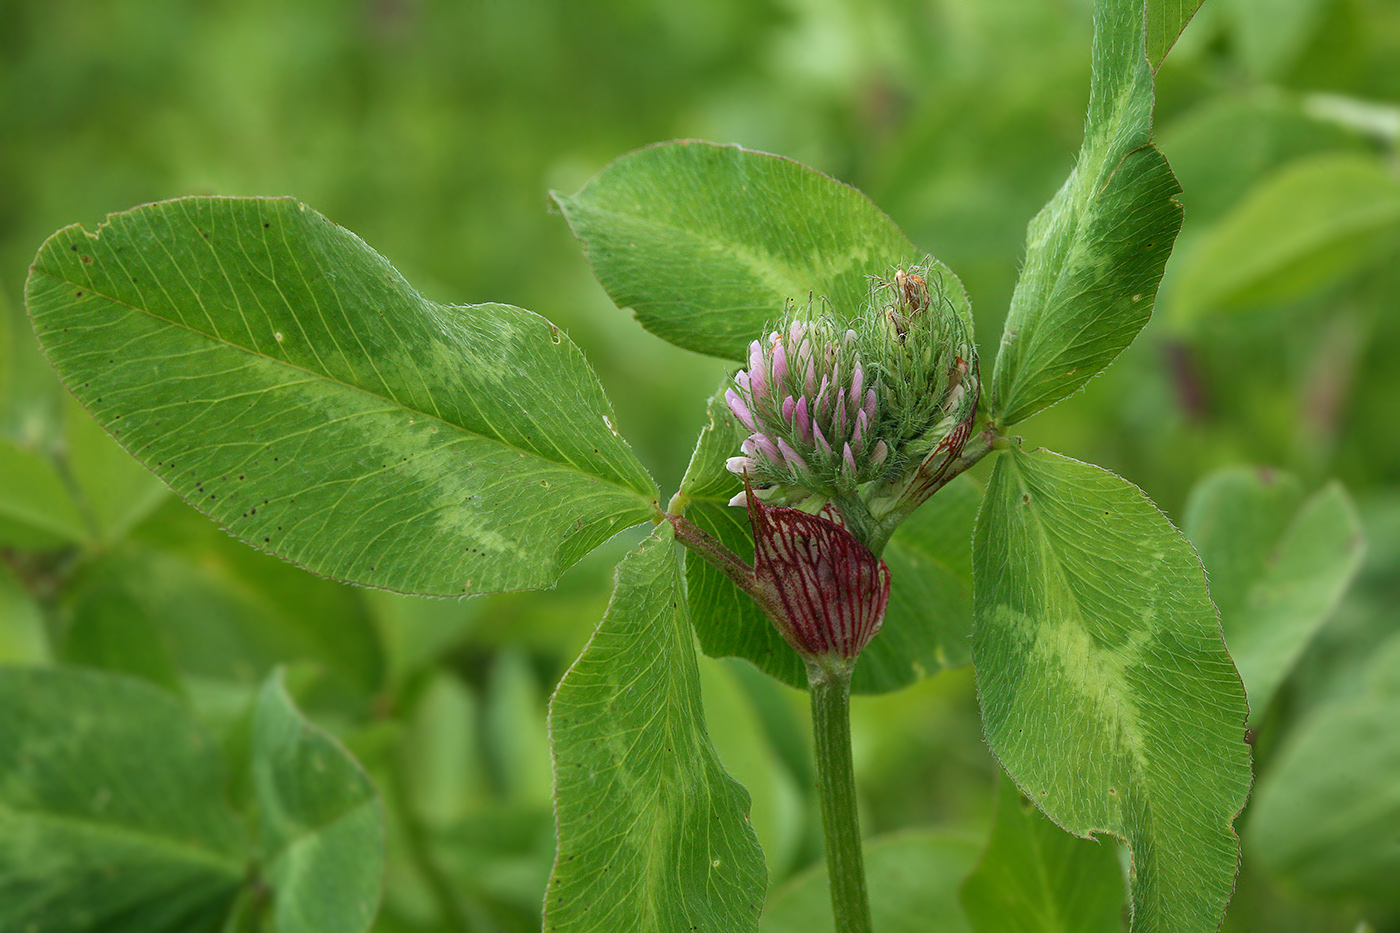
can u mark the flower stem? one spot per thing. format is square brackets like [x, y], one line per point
[830, 690]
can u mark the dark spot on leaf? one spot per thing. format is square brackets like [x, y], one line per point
[74, 247]
[79, 295]
[1026, 499]
[252, 511]
[266, 540]
[87, 260]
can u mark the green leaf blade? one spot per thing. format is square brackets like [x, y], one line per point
[1306, 227]
[1165, 21]
[1106, 689]
[36, 510]
[112, 809]
[1325, 814]
[1095, 253]
[1278, 566]
[282, 377]
[652, 832]
[705, 243]
[321, 826]
[1035, 878]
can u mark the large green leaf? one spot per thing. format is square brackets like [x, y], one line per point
[778, 808]
[117, 490]
[929, 621]
[1305, 227]
[281, 376]
[321, 829]
[1268, 35]
[913, 880]
[1165, 21]
[1095, 253]
[653, 835]
[1106, 690]
[24, 638]
[114, 815]
[705, 243]
[1326, 813]
[36, 509]
[209, 610]
[1278, 566]
[112, 809]
[1036, 878]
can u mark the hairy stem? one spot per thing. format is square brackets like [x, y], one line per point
[714, 551]
[830, 691]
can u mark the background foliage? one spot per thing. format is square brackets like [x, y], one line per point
[434, 129]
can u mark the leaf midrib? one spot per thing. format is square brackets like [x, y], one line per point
[186, 851]
[1052, 560]
[305, 831]
[785, 272]
[324, 377]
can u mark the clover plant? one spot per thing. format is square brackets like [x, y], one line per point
[283, 378]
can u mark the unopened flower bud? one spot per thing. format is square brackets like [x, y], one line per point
[927, 363]
[824, 591]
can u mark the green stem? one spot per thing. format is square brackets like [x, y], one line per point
[830, 690]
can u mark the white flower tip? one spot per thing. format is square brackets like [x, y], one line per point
[740, 466]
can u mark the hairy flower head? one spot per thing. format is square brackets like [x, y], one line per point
[877, 406]
[811, 409]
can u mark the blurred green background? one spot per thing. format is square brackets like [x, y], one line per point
[435, 129]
